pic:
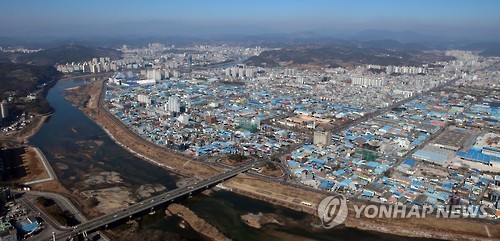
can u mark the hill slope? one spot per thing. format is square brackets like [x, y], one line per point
[22, 79]
[341, 55]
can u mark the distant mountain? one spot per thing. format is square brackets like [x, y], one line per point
[401, 36]
[484, 48]
[67, 54]
[395, 45]
[342, 55]
[8, 41]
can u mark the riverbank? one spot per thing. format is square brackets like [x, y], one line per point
[88, 188]
[27, 163]
[283, 195]
[429, 227]
[25, 133]
[89, 103]
[22, 136]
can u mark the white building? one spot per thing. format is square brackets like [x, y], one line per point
[154, 74]
[4, 109]
[174, 104]
[184, 119]
[368, 81]
[322, 138]
[146, 82]
[144, 99]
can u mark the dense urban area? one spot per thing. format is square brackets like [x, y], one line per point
[406, 135]
[440, 146]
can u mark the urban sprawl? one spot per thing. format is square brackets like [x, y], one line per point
[412, 135]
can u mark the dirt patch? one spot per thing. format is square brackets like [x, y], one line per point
[271, 169]
[148, 190]
[201, 226]
[287, 196]
[23, 164]
[234, 160]
[101, 178]
[252, 220]
[110, 199]
[259, 219]
[449, 229]
[34, 167]
[428, 227]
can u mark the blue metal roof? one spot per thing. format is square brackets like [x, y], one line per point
[368, 194]
[430, 156]
[372, 164]
[29, 228]
[326, 184]
[386, 128]
[475, 154]
[409, 162]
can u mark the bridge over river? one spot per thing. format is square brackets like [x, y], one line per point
[150, 204]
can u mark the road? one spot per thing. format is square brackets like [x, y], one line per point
[51, 225]
[62, 202]
[28, 199]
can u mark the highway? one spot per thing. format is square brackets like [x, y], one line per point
[152, 202]
[61, 201]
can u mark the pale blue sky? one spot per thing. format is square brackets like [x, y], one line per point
[448, 17]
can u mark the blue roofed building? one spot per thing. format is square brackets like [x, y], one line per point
[27, 226]
[430, 156]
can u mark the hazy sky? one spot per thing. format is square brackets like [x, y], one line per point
[457, 18]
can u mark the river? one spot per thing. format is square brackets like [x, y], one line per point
[71, 140]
